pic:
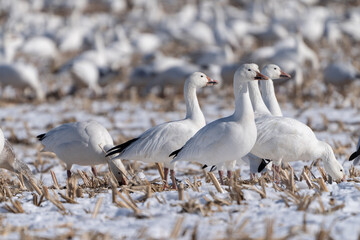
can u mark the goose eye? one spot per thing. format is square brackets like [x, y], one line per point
[201, 76]
[341, 170]
[249, 69]
[274, 68]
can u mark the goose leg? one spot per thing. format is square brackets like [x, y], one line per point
[93, 169]
[124, 181]
[252, 176]
[172, 174]
[221, 176]
[166, 172]
[276, 173]
[229, 175]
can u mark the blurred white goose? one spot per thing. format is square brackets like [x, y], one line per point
[91, 69]
[227, 138]
[21, 76]
[85, 74]
[9, 161]
[83, 143]
[40, 47]
[356, 154]
[18, 75]
[340, 73]
[155, 144]
[285, 139]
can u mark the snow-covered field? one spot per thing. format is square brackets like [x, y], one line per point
[240, 212]
[259, 209]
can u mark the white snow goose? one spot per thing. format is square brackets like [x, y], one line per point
[227, 138]
[286, 139]
[155, 144]
[9, 161]
[82, 143]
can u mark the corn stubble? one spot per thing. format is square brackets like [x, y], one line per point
[219, 199]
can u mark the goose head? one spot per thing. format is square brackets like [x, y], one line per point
[249, 72]
[335, 170]
[331, 165]
[199, 80]
[274, 72]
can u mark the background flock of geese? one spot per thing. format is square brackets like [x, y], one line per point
[255, 131]
[51, 48]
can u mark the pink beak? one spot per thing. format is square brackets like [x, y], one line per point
[211, 82]
[284, 75]
[260, 76]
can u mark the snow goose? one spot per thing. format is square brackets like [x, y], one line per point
[340, 73]
[145, 43]
[40, 47]
[272, 71]
[18, 75]
[90, 69]
[82, 143]
[227, 138]
[9, 161]
[353, 156]
[155, 144]
[312, 23]
[21, 76]
[85, 74]
[285, 139]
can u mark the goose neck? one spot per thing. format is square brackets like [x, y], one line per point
[323, 151]
[243, 108]
[255, 97]
[269, 97]
[193, 110]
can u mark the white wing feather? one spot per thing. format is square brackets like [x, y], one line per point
[158, 142]
[281, 133]
[215, 143]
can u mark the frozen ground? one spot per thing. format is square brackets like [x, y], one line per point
[240, 212]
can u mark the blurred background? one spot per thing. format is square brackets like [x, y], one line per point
[127, 49]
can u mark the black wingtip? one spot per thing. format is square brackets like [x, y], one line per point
[112, 153]
[120, 148]
[263, 164]
[175, 153]
[213, 168]
[354, 155]
[41, 136]
[205, 166]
